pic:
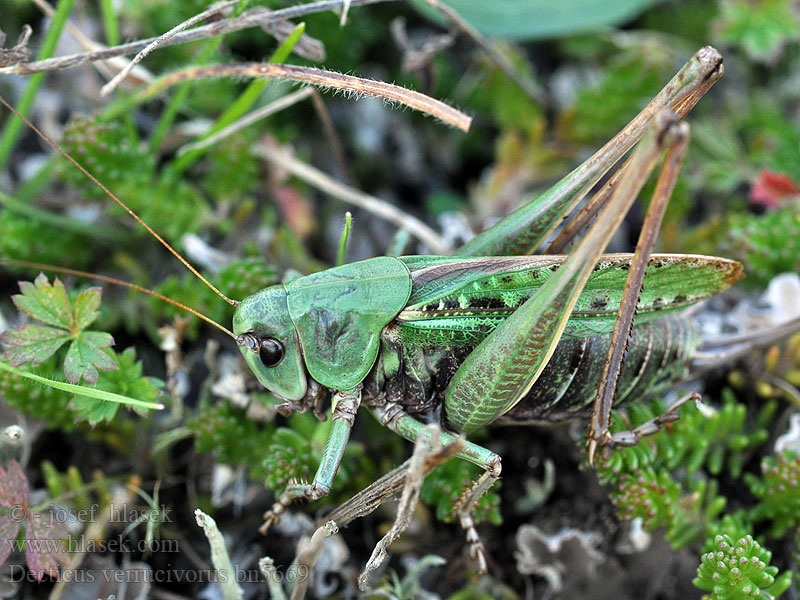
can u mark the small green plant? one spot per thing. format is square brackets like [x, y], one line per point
[670, 482]
[736, 570]
[768, 244]
[170, 205]
[778, 490]
[235, 439]
[242, 277]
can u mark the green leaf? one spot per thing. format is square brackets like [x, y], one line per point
[126, 380]
[35, 343]
[44, 302]
[92, 410]
[85, 357]
[86, 307]
[762, 27]
[526, 20]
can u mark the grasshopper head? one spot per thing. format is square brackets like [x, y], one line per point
[269, 343]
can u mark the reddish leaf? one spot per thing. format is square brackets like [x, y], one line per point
[297, 210]
[44, 546]
[14, 499]
[33, 343]
[771, 188]
[9, 529]
[13, 486]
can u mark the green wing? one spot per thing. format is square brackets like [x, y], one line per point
[339, 314]
[459, 301]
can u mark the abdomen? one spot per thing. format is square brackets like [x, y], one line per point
[659, 353]
[658, 356]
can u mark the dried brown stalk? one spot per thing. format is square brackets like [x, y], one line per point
[252, 18]
[323, 79]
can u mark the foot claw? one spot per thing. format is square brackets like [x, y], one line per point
[271, 517]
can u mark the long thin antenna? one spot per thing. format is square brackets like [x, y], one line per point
[12, 262]
[94, 180]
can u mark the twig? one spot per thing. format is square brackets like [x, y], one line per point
[307, 46]
[253, 117]
[528, 85]
[252, 18]
[345, 10]
[18, 52]
[322, 79]
[159, 41]
[387, 487]
[316, 178]
[308, 552]
[426, 446]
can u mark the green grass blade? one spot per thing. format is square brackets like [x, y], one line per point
[109, 22]
[244, 102]
[82, 391]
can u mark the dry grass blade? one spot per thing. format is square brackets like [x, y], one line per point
[309, 550]
[326, 80]
[427, 445]
[388, 486]
[252, 18]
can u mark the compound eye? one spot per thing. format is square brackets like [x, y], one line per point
[271, 352]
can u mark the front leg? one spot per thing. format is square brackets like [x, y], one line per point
[345, 407]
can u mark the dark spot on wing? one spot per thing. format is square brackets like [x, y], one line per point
[483, 303]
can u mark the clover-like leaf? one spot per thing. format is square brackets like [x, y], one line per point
[64, 323]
